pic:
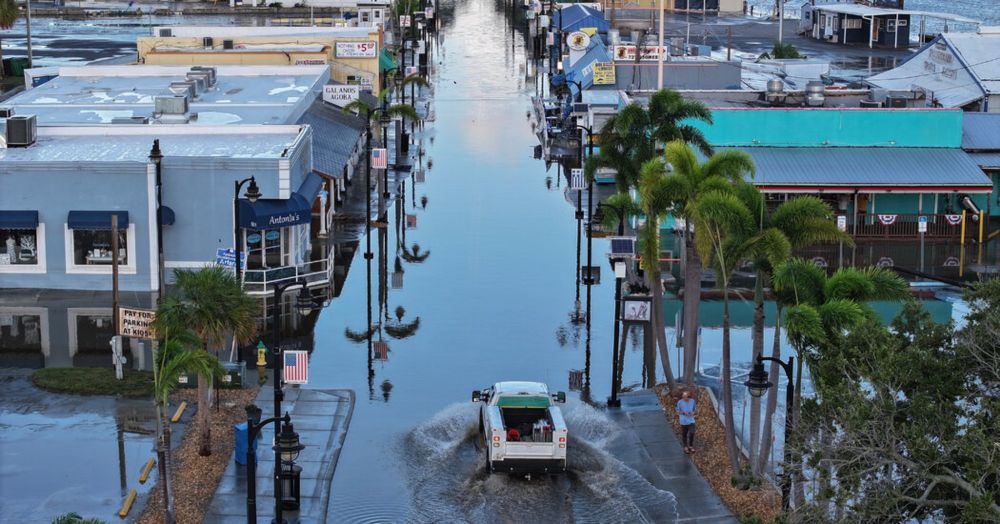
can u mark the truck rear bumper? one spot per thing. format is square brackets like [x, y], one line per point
[528, 465]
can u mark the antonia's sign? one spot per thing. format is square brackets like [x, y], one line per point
[136, 323]
[341, 95]
[366, 49]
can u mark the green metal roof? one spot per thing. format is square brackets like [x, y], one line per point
[385, 61]
[524, 401]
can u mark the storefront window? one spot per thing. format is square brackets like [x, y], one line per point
[93, 247]
[18, 246]
[264, 249]
[21, 333]
[93, 334]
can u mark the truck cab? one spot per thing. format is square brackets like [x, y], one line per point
[522, 428]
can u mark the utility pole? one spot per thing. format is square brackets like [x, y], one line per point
[27, 23]
[729, 43]
[781, 21]
[660, 51]
[117, 351]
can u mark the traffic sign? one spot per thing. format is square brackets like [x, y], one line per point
[922, 224]
[842, 222]
[226, 257]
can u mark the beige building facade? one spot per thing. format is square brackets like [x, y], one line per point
[351, 53]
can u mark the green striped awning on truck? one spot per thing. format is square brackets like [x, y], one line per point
[523, 402]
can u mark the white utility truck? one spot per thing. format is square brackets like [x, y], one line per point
[522, 428]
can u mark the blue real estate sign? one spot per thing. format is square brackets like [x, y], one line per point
[226, 257]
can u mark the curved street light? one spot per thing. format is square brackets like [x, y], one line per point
[253, 194]
[619, 211]
[758, 384]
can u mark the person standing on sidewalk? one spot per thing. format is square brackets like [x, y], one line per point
[685, 411]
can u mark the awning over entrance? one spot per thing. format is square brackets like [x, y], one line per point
[274, 213]
[18, 219]
[385, 61]
[168, 216]
[96, 219]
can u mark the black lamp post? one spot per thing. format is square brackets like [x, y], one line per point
[156, 157]
[287, 446]
[590, 199]
[613, 400]
[252, 194]
[254, 426]
[384, 120]
[304, 305]
[758, 384]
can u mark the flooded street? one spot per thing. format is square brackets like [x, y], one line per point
[493, 299]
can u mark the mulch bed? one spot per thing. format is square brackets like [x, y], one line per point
[195, 478]
[712, 461]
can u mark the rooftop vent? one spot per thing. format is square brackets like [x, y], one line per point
[6, 112]
[202, 77]
[184, 88]
[775, 92]
[166, 32]
[177, 119]
[815, 93]
[212, 73]
[170, 105]
[227, 44]
[22, 131]
[207, 42]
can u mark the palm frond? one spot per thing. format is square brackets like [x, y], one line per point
[681, 159]
[403, 330]
[799, 281]
[886, 284]
[731, 164]
[360, 107]
[838, 315]
[803, 325]
[849, 284]
[402, 110]
[414, 80]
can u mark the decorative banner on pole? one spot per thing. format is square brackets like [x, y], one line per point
[953, 219]
[404, 21]
[411, 221]
[887, 220]
[341, 95]
[922, 224]
[604, 73]
[366, 49]
[296, 370]
[397, 279]
[380, 159]
[576, 179]
[136, 323]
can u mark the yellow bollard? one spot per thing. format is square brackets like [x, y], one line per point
[145, 471]
[127, 505]
[982, 223]
[179, 412]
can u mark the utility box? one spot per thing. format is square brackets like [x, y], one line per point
[240, 435]
[234, 374]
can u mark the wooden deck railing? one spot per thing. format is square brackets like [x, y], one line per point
[900, 226]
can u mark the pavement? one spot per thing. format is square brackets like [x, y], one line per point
[649, 445]
[321, 417]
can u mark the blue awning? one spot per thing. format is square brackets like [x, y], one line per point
[167, 216]
[310, 186]
[272, 213]
[18, 219]
[96, 219]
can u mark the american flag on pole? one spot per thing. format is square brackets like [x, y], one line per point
[296, 367]
[379, 159]
[381, 350]
[576, 179]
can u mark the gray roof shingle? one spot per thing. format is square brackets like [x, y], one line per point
[335, 134]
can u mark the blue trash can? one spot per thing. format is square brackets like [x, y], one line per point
[240, 434]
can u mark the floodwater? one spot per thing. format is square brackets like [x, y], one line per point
[494, 299]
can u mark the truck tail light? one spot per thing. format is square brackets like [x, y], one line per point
[496, 438]
[562, 439]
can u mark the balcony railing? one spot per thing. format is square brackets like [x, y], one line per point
[262, 281]
[901, 226]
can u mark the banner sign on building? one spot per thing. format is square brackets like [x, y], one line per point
[604, 73]
[366, 49]
[226, 257]
[341, 95]
[296, 367]
[136, 323]
[649, 52]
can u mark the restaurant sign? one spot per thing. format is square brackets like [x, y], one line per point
[604, 73]
[366, 49]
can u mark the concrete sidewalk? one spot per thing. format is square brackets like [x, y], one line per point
[648, 445]
[321, 418]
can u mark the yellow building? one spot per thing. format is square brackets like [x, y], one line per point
[352, 53]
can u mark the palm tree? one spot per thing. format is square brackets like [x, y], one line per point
[727, 238]
[633, 136]
[689, 180]
[373, 113]
[802, 221]
[9, 14]
[822, 308]
[75, 518]
[212, 304]
[176, 355]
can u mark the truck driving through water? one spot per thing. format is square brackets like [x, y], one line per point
[522, 429]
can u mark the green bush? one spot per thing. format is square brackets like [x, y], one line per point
[94, 381]
[75, 518]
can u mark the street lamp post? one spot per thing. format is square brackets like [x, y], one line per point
[254, 426]
[613, 400]
[304, 305]
[590, 198]
[758, 384]
[252, 194]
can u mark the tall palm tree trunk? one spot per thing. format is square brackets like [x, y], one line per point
[660, 332]
[692, 298]
[727, 386]
[772, 399]
[757, 344]
[205, 443]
